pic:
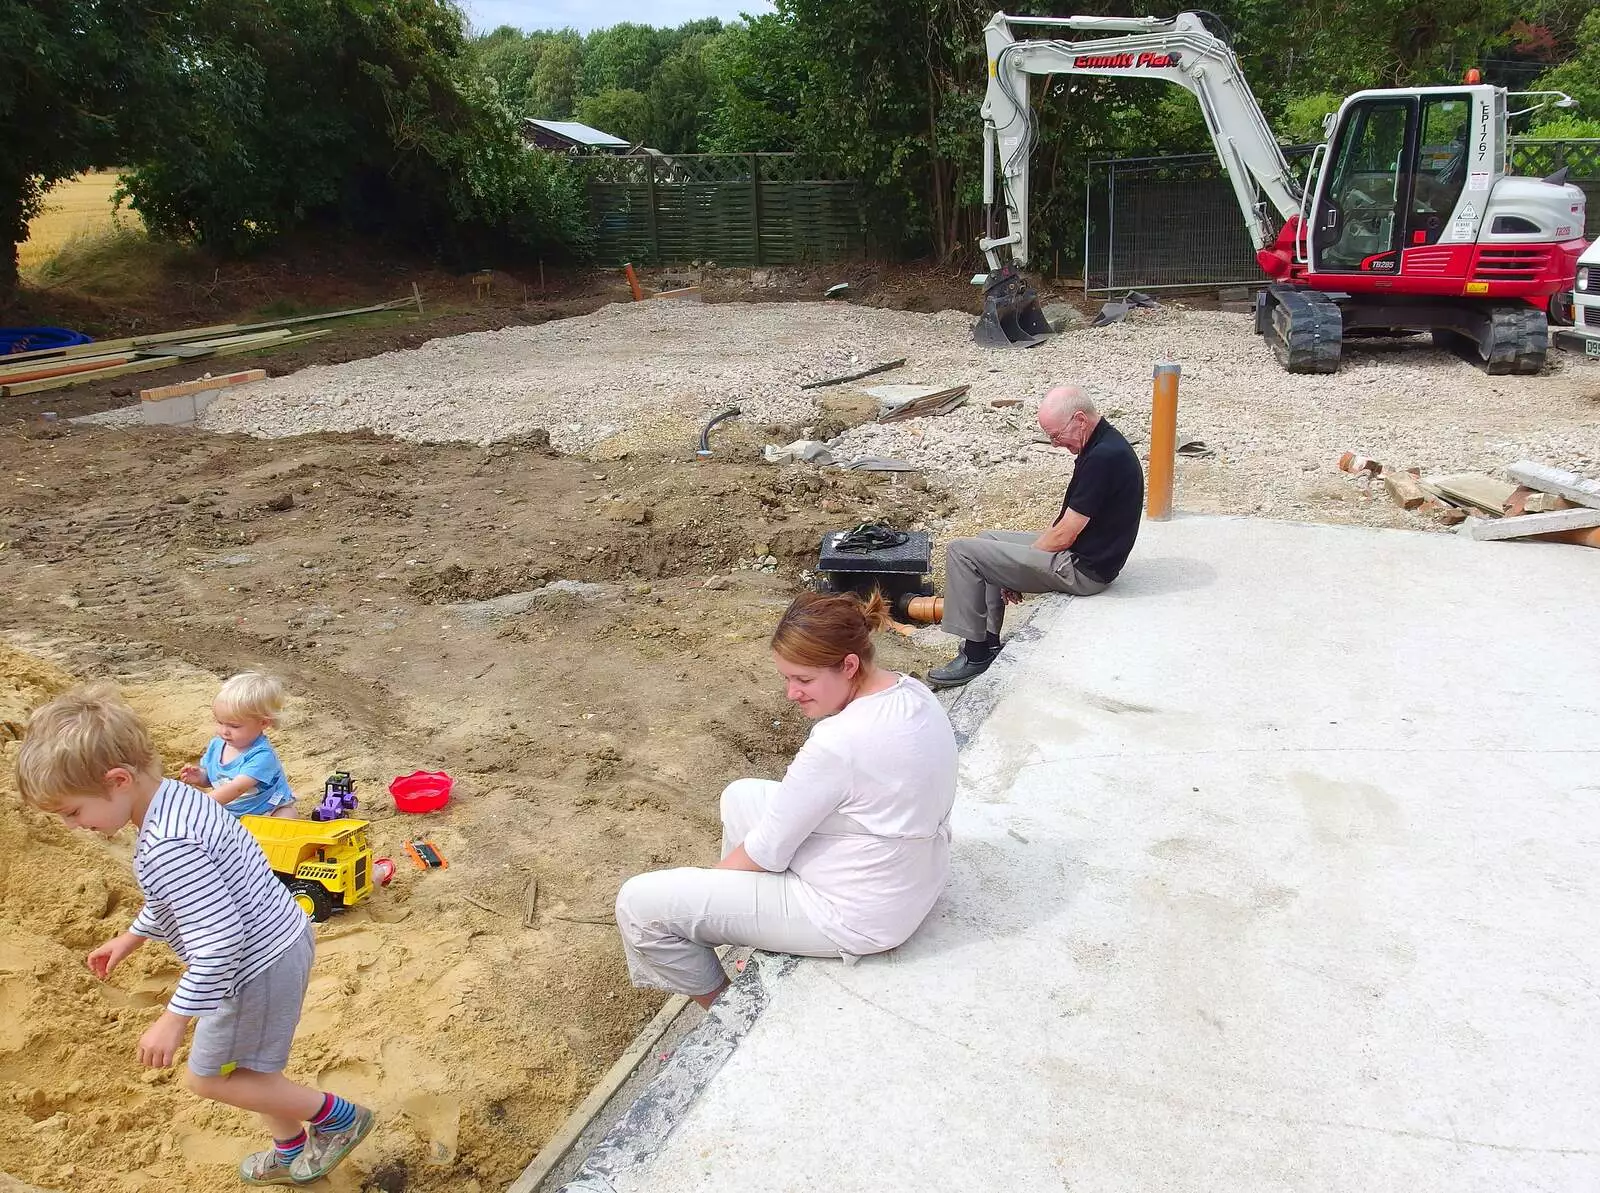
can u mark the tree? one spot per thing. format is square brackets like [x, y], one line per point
[621, 58]
[678, 95]
[621, 112]
[348, 116]
[1578, 76]
[753, 89]
[82, 83]
[510, 58]
[556, 77]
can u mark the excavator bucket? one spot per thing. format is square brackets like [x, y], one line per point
[1011, 314]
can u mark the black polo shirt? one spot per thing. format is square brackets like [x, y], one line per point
[1107, 487]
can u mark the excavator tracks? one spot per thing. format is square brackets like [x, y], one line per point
[1304, 328]
[1509, 339]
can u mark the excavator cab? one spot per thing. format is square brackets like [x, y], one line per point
[1410, 209]
[1413, 169]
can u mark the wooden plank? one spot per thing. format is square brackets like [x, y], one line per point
[146, 364]
[103, 347]
[1529, 525]
[1474, 489]
[136, 366]
[297, 338]
[60, 369]
[1570, 485]
[561, 1142]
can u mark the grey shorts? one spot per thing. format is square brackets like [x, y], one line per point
[254, 1029]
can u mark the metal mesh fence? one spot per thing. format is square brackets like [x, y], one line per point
[1159, 222]
[1172, 222]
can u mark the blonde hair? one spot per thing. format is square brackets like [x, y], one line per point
[251, 694]
[74, 740]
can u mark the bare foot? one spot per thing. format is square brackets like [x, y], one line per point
[705, 1000]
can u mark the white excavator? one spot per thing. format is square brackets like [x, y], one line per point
[1408, 220]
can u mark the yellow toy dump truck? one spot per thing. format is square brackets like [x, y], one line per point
[327, 865]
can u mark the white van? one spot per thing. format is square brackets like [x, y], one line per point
[1584, 334]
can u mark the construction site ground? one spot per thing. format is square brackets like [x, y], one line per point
[592, 718]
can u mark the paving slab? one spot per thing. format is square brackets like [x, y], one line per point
[1277, 868]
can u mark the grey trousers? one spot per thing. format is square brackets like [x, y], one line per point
[672, 920]
[975, 571]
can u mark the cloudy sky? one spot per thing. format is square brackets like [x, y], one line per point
[584, 15]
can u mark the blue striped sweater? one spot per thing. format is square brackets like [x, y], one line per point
[210, 894]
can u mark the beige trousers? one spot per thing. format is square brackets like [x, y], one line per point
[672, 920]
[977, 569]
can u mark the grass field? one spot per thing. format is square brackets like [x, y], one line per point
[74, 210]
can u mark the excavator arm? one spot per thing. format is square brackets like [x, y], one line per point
[1179, 50]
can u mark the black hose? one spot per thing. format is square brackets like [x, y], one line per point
[705, 432]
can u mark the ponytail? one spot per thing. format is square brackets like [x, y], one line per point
[819, 631]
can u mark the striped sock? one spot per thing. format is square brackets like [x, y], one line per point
[288, 1149]
[336, 1115]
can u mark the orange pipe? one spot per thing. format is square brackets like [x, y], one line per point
[926, 609]
[1582, 538]
[633, 283]
[1163, 441]
[63, 370]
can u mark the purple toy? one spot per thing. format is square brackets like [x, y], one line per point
[338, 798]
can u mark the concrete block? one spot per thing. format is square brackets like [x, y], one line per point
[203, 399]
[168, 412]
[200, 385]
[1237, 308]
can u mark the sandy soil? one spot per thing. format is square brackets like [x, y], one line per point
[589, 736]
[589, 732]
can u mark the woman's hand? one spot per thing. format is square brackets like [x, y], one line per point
[112, 954]
[738, 859]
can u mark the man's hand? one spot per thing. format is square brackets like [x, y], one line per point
[1012, 596]
[158, 1047]
[112, 954]
[193, 776]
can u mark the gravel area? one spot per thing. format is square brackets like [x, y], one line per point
[621, 372]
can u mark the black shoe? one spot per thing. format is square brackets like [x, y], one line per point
[957, 671]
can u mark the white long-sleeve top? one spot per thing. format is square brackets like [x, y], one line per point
[863, 818]
[210, 894]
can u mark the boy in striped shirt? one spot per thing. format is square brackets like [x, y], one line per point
[211, 896]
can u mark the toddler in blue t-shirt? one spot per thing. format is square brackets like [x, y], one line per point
[240, 768]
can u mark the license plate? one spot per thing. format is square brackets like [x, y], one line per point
[1591, 347]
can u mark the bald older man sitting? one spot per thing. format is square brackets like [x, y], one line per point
[1081, 552]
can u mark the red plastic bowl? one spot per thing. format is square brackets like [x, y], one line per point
[422, 791]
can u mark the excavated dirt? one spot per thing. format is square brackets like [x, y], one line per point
[645, 376]
[589, 733]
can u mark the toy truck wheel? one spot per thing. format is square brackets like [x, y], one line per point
[313, 898]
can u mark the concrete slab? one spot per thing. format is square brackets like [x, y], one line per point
[1275, 870]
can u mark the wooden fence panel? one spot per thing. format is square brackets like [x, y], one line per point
[732, 209]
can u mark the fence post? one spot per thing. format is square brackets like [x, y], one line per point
[1163, 440]
[755, 206]
[655, 236]
[1111, 220]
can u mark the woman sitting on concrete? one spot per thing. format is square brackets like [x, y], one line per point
[843, 858]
